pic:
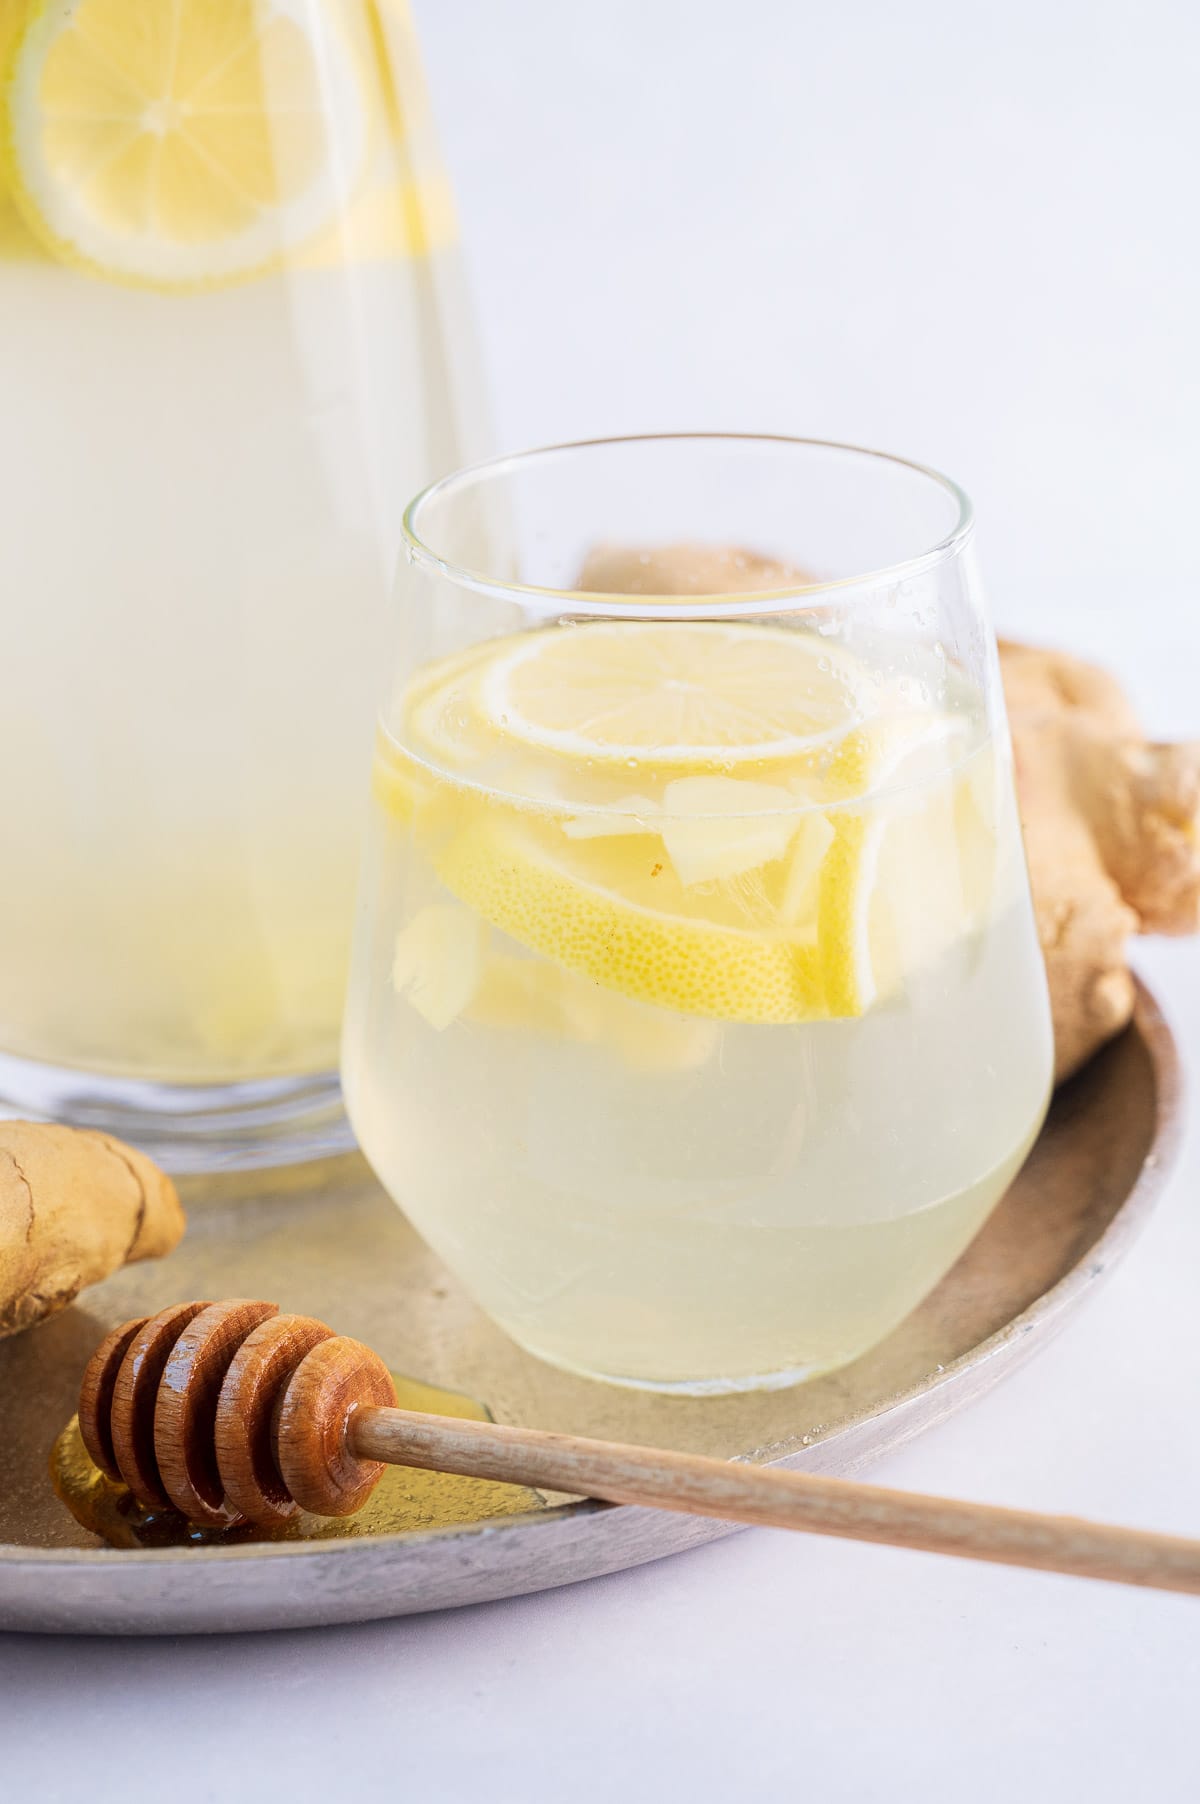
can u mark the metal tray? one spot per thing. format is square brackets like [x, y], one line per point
[334, 1246]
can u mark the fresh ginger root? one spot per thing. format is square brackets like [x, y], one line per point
[1112, 832]
[74, 1206]
[683, 570]
[1111, 822]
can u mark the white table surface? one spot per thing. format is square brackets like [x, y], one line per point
[968, 234]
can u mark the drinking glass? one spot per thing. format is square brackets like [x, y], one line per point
[232, 343]
[697, 1017]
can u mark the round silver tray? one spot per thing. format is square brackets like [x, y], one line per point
[335, 1247]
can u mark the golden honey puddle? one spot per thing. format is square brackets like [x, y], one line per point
[405, 1497]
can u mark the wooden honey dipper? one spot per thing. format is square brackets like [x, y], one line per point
[234, 1413]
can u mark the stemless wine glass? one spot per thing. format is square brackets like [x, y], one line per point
[697, 1017]
[231, 343]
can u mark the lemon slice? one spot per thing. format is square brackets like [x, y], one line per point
[696, 693]
[779, 918]
[797, 850]
[887, 887]
[181, 142]
[511, 876]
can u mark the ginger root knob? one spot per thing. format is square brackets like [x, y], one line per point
[1111, 832]
[74, 1206]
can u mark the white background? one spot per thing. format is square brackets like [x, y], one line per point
[968, 234]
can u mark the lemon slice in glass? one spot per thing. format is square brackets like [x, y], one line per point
[593, 918]
[181, 142]
[713, 893]
[845, 901]
[694, 693]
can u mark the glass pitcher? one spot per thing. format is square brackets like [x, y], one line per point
[233, 344]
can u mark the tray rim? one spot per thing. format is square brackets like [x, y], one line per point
[1047, 1312]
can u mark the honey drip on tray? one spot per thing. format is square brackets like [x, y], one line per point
[404, 1499]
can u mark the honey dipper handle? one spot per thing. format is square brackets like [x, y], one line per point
[769, 1498]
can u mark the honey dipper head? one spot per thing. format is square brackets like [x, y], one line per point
[232, 1413]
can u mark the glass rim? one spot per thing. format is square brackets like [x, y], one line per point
[610, 605]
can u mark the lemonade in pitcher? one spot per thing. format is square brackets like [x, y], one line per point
[231, 345]
[697, 1019]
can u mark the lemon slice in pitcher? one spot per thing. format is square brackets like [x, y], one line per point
[187, 143]
[683, 693]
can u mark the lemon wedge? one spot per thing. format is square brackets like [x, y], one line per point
[184, 142]
[693, 693]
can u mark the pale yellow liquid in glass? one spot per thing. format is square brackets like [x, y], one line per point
[202, 491]
[654, 1195]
